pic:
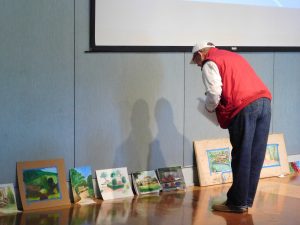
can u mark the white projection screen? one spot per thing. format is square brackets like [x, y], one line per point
[176, 25]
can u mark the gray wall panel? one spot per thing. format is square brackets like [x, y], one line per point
[263, 64]
[36, 83]
[129, 110]
[286, 99]
[129, 106]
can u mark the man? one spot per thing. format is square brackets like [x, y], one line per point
[242, 104]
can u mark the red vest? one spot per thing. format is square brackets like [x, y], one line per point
[241, 85]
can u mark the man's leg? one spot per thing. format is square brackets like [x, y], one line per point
[259, 149]
[241, 132]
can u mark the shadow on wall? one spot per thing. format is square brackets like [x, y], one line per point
[133, 152]
[140, 151]
[167, 147]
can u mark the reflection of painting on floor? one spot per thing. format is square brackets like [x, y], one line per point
[219, 160]
[272, 156]
[41, 184]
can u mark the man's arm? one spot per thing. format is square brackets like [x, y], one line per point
[213, 85]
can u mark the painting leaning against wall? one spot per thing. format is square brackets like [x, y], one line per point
[42, 183]
[8, 202]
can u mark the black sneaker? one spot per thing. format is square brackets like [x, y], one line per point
[224, 207]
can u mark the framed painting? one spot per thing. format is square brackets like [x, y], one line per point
[42, 184]
[145, 182]
[171, 178]
[114, 183]
[214, 160]
[294, 167]
[276, 162]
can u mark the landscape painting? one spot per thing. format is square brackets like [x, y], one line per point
[219, 160]
[146, 182]
[8, 202]
[82, 185]
[42, 184]
[272, 156]
[114, 183]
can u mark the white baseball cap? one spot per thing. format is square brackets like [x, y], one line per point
[199, 46]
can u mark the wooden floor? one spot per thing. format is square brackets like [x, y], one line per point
[277, 202]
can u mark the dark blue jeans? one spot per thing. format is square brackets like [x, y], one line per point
[248, 133]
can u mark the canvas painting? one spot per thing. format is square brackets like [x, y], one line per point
[276, 161]
[114, 183]
[42, 184]
[8, 202]
[82, 185]
[171, 178]
[145, 182]
[294, 167]
[214, 159]
[219, 160]
[272, 156]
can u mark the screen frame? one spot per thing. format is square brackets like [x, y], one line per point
[93, 48]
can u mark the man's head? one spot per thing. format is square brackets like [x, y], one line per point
[199, 52]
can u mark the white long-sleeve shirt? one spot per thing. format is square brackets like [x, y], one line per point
[213, 85]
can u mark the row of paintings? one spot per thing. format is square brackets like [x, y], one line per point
[43, 184]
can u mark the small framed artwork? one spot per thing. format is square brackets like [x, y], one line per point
[114, 183]
[171, 178]
[276, 162]
[42, 184]
[145, 182]
[214, 160]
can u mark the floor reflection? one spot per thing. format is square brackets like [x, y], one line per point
[13, 219]
[114, 211]
[277, 202]
[84, 214]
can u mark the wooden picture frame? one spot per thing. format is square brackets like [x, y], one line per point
[214, 160]
[42, 184]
